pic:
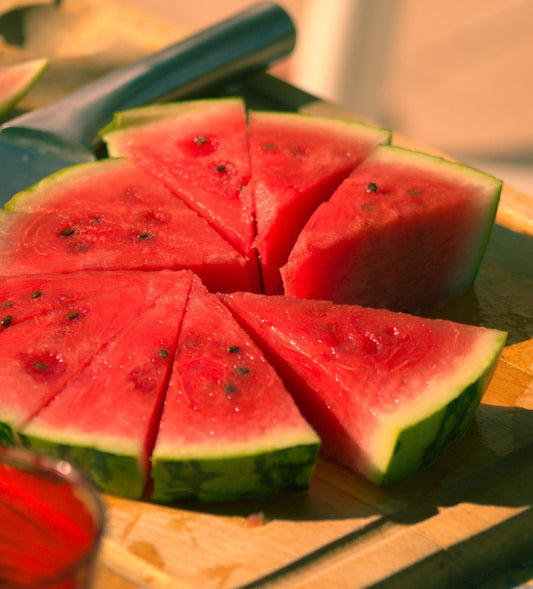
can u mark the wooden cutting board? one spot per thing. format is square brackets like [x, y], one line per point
[467, 518]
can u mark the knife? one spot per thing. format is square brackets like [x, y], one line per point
[65, 132]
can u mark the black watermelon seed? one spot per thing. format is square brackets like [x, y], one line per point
[6, 321]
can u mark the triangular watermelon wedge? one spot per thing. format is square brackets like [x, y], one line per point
[17, 79]
[229, 427]
[387, 392]
[198, 149]
[112, 215]
[41, 355]
[297, 161]
[404, 231]
[113, 405]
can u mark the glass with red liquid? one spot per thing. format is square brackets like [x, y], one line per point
[51, 523]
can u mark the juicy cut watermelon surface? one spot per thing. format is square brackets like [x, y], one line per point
[199, 149]
[398, 233]
[110, 215]
[160, 319]
[387, 392]
[113, 404]
[227, 415]
[296, 163]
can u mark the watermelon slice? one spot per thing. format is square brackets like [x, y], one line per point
[387, 392]
[114, 403]
[296, 162]
[111, 215]
[404, 231]
[17, 79]
[229, 428]
[40, 355]
[199, 149]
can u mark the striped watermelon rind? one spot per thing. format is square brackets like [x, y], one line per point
[222, 478]
[411, 440]
[110, 464]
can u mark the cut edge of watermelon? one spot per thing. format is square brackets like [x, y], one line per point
[20, 77]
[412, 438]
[276, 438]
[124, 119]
[19, 202]
[382, 134]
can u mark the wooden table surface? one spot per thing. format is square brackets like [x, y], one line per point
[466, 519]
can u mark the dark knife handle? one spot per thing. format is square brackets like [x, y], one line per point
[247, 42]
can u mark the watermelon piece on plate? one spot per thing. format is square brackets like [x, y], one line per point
[387, 392]
[229, 427]
[198, 149]
[403, 231]
[113, 405]
[17, 79]
[112, 215]
[297, 161]
[40, 355]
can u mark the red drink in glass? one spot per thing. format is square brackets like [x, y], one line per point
[51, 523]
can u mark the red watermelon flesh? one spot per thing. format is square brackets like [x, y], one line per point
[229, 427]
[296, 162]
[404, 231]
[16, 79]
[26, 296]
[387, 392]
[198, 149]
[40, 355]
[111, 215]
[113, 405]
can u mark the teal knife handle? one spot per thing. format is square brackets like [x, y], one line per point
[240, 45]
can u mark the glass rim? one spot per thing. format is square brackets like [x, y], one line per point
[21, 457]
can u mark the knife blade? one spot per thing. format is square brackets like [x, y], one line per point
[64, 133]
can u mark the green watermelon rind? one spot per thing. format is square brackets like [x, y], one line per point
[142, 115]
[32, 70]
[24, 200]
[383, 135]
[412, 440]
[7, 435]
[220, 479]
[110, 464]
